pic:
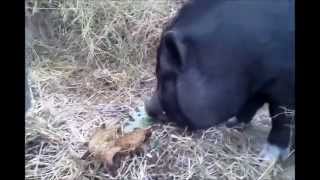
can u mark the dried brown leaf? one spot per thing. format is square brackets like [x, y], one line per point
[105, 144]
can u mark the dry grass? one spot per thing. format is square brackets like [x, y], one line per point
[95, 67]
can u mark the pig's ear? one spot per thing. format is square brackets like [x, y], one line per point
[175, 47]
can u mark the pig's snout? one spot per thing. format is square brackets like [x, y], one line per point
[154, 109]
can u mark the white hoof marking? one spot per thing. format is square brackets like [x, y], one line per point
[273, 153]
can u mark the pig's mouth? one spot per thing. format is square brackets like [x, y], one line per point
[155, 111]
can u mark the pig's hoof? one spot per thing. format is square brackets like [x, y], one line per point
[273, 153]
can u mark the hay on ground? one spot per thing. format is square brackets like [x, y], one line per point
[96, 65]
